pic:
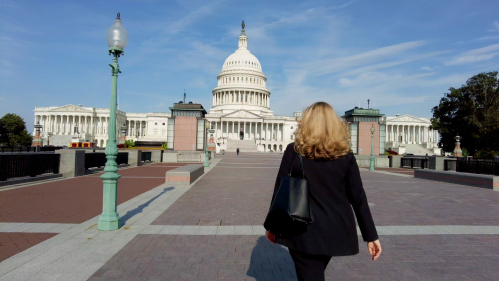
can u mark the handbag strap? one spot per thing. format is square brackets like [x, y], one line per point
[301, 162]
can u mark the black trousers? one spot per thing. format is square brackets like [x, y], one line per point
[309, 267]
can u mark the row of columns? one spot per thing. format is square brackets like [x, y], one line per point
[266, 131]
[135, 126]
[241, 97]
[63, 124]
[411, 134]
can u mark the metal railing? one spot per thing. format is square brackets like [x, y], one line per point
[414, 162]
[24, 165]
[478, 167]
[13, 149]
[146, 156]
[98, 159]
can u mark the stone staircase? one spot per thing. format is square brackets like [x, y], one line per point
[417, 149]
[243, 145]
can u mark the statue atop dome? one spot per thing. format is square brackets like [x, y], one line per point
[243, 25]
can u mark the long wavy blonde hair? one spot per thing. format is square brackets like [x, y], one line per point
[321, 134]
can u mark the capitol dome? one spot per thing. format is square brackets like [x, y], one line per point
[241, 83]
[242, 59]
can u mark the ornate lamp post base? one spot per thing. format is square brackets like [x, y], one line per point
[109, 219]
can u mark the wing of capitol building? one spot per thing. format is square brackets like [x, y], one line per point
[240, 117]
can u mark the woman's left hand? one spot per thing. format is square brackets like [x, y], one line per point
[270, 237]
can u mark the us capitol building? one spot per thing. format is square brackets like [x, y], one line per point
[240, 116]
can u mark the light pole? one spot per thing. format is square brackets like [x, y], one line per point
[207, 155]
[371, 166]
[117, 38]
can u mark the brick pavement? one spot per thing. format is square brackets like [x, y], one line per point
[75, 200]
[237, 192]
[239, 189]
[429, 257]
[15, 242]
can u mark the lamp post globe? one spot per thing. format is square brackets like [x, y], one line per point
[117, 38]
[371, 162]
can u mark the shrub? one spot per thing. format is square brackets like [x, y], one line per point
[129, 143]
[164, 146]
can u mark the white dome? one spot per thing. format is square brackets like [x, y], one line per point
[242, 59]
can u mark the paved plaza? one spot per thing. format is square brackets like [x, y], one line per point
[212, 229]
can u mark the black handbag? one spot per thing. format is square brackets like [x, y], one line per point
[290, 211]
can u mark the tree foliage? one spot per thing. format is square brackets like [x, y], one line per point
[471, 112]
[13, 131]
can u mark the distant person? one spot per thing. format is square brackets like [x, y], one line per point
[237, 151]
[335, 187]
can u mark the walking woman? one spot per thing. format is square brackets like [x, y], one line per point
[335, 188]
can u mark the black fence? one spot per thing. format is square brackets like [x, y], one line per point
[478, 167]
[97, 160]
[414, 162]
[146, 156]
[24, 165]
[17, 149]
[14, 149]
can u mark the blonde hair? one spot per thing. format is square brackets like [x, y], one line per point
[321, 134]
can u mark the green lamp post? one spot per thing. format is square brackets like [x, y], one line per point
[117, 38]
[207, 156]
[371, 165]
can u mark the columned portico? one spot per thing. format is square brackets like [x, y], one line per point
[407, 133]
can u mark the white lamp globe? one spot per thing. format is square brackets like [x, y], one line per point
[117, 36]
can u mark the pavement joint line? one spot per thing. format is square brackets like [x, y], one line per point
[36, 227]
[382, 230]
[388, 173]
[70, 244]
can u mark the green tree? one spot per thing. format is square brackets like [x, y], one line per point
[13, 131]
[472, 112]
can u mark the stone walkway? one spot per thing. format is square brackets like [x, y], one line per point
[212, 230]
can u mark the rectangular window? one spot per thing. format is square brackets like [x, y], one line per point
[353, 127]
[200, 134]
[171, 130]
[382, 138]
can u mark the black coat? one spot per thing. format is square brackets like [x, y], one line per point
[335, 187]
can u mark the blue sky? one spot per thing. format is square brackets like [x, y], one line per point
[402, 55]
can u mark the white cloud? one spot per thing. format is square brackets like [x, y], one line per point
[334, 65]
[481, 54]
[427, 68]
[192, 17]
[486, 38]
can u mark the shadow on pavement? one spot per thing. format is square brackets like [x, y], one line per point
[141, 207]
[268, 260]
